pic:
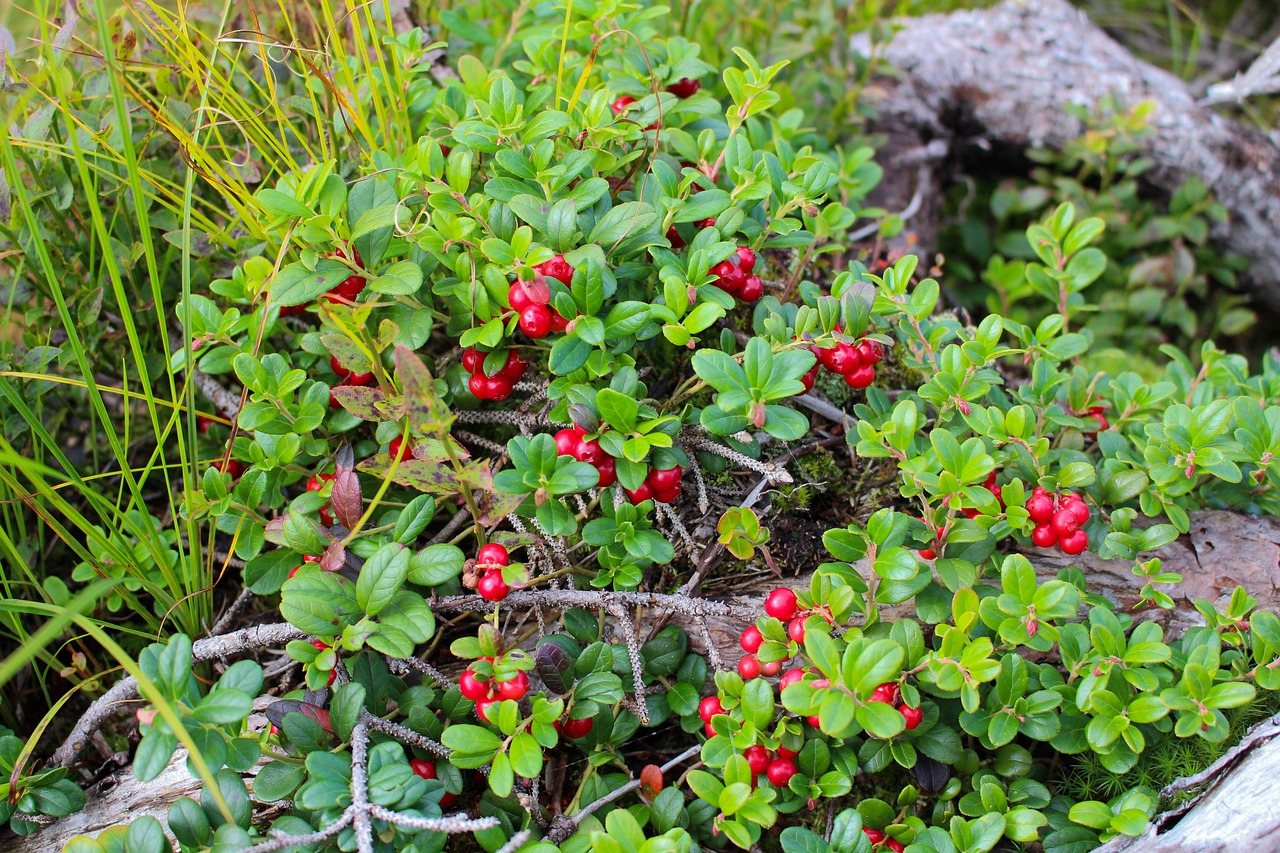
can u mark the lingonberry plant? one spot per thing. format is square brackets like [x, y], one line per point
[495, 382]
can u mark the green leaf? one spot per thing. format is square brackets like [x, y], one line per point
[526, 756]
[381, 577]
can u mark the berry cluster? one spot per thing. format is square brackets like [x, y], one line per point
[734, 275]
[573, 442]
[889, 694]
[661, 485]
[875, 836]
[487, 692]
[1058, 520]
[498, 386]
[855, 362]
[782, 605]
[490, 559]
[346, 377]
[347, 291]
[990, 485]
[530, 299]
[1097, 413]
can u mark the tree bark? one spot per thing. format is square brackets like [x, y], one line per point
[1004, 77]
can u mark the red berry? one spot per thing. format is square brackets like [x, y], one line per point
[1040, 508]
[1074, 543]
[752, 289]
[913, 716]
[485, 707]
[795, 630]
[894, 845]
[557, 268]
[535, 321]
[875, 836]
[558, 323]
[927, 554]
[677, 242]
[1044, 536]
[350, 288]
[498, 387]
[751, 640]
[641, 494]
[515, 688]
[783, 752]
[781, 604]
[396, 447]
[234, 467]
[813, 721]
[870, 352]
[887, 693]
[730, 278]
[709, 729]
[1078, 508]
[578, 728]
[771, 668]
[472, 360]
[809, 378]
[567, 441]
[757, 759]
[684, 87]
[333, 676]
[1039, 491]
[492, 587]
[422, 769]
[493, 554]
[203, 424]
[1065, 523]
[478, 384]
[293, 571]
[336, 367]
[749, 667]
[666, 479]
[860, 377]
[790, 677]
[518, 296]
[608, 469]
[621, 103]
[709, 222]
[588, 451]
[471, 687]
[781, 771]
[842, 359]
[326, 517]
[514, 368]
[709, 707]
[668, 496]
[746, 259]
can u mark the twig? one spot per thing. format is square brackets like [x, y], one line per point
[225, 620]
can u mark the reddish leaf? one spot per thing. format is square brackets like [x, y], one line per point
[345, 498]
[368, 404]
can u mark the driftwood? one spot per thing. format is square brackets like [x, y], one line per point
[973, 83]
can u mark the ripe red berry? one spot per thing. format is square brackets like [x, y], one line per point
[860, 377]
[558, 323]
[684, 87]
[293, 571]
[493, 554]
[795, 630]
[730, 277]
[752, 289]
[842, 359]
[621, 103]
[746, 259]
[478, 384]
[757, 759]
[749, 667]
[492, 587]
[870, 352]
[535, 321]
[667, 496]
[518, 296]
[588, 451]
[887, 693]
[578, 728]
[665, 479]
[484, 709]
[472, 360]
[809, 378]
[396, 447]
[351, 287]
[498, 387]
[422, 769]
[781, 771]
[608, 469]
[1079, 509]
[709, 707]
[709, 222]
[771, 668]
[790, 677]
[640, 494]
[567, 441]
[894, 845]
[875, 836]
[912, 716]
[673, 236]
[709, 729]
[751, 640]
[516, 688]
[1064, 523]
[783, 752]
[1044, 536]
[557, 268]
[471, 687]
[1074, 543]
[1040, 508]
[781, 604]
[234, 467]
[514, 368]
[813, 721]
[336, 367]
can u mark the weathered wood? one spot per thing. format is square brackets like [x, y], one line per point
[991, 79]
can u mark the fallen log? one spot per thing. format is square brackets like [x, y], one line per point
[992, 79]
